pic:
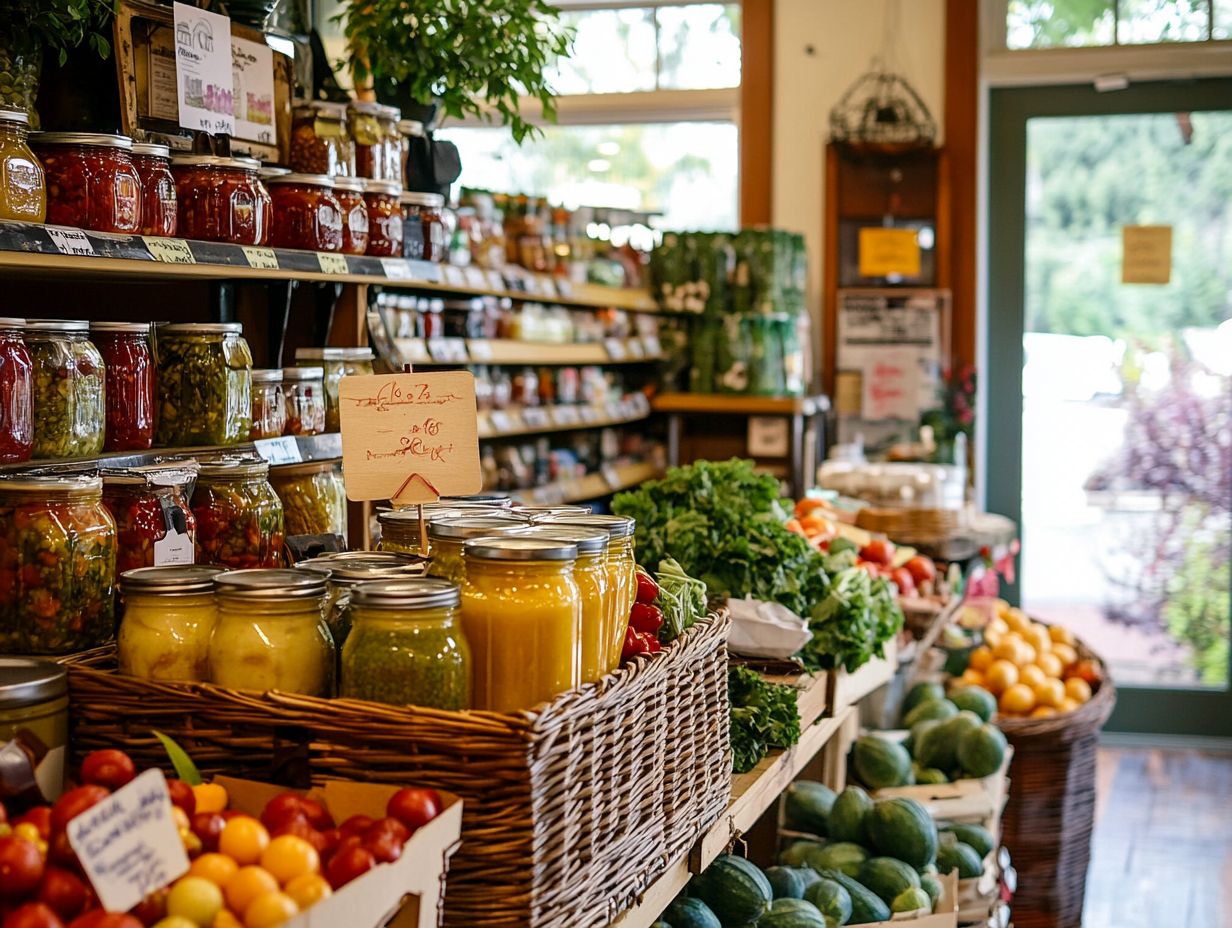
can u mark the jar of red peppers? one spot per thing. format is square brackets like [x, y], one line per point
[306, 213]
[320, 140]
[304, 390]
[69, 389]
[153, 163]
[423, 226]
[220, 199]
[16, 394]
[91, 180]
[154, 524]
[128, 363]
[355, 231]
[381, 198]
[23, 191]
[269, 411]
[239, 516]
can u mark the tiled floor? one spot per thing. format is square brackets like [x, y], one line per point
[1162, 852]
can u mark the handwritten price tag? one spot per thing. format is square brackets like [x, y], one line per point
[169, 250]
[263, 259]
[615, 349]
[283, 450]
[480, 349]
[331, 263]
[396, 268]
[453, 276]
[70, 241]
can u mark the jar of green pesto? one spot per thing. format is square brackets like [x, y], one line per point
[406, 645]
[33, 730]
[204, 384]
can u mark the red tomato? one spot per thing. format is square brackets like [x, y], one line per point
[388, 826]
[40, 817]
[879, 551]
[329, 842]
[904, 581]
[414, 807]
[347, 864]
[153, 908]
[645, 618]
[356, 825]
[182, 796]
[318, 817]
[61, 853]
[282, 808]
[21, 867]
[207, 826]
[100, 919]
[923, 570]
[64, 892]
[385, 849]
[74, 802]
[109, 768]
[33, 915]
[647, 589]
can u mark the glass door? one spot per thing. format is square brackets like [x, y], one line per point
[1110, 380]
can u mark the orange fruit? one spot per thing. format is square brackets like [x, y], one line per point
[226, 919]
[1050, 664]
[289, 856]
[1065, 653]
[307, 890]
[1050, 693]
[1017, 699]
[270, 910]
[1026, 655]
[211, 797]
[1042, 712]
[1031, 675]
[1001, 676]
[1008, 647]
[980, 658]
[196, 899]
[217, 868]
[247, 884]
[243, 838]
[1068, 705]
[972, 677]
[1078, 689]
[1061, 635]
[1037, 637]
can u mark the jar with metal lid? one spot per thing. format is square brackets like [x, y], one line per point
[522, 615]
[220, 199]
[23, 190]
[400, 528]
[204, 384]
[16, 393]
[381, 200]
[423, 226]
[239, 516]
[355, 231]
[128, 362]
[536, 513]
[269, 408]
[271, 633]
[154, 524]
[169, 618]
[485, 500]
[406, 646]
[338, 363]
[158, 208]
[621, 565]
[307, 215]
[447, 534]
[303, 389]
[91, 180]
[57, 565]
[320, 139]
[410, 130]
[463, 318]
[374, 128]
[34, 718]
[313, 497]
[69, 389]
[345, 570]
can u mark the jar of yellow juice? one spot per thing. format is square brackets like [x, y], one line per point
[522, 614]
[446, 535]
[621, 566]
[169, 617]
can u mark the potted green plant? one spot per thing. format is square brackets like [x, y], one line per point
[31, 30]
[457, 57]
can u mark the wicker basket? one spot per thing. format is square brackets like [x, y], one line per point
[571, 811]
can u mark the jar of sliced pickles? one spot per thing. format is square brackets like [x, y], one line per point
[169, 618]
[313, 498]
[23, 191]
[350, 194]
[621, 565]
[69, 389]
[320, 140]
[239, 516]
[129, 364]
[447, 535]
[269, 408]
[337, 363]
[345, 570]
[271, 633]
[303, 389]
[57, 565]
[154, 524]
[204, 384]
[16, 393]
[91, 180]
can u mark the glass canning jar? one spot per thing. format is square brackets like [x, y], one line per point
[239, 516]
[313, 498]
[320, 140]
[347, 569]
[355, 231]
[374, 127]
[303, 389]
[158, 209]
[91, 180]
[406, 645]
[57, 565]
[69, 389]
[447, 534]
[271, 633]
[411, 130]
[621, 565]
[307, 215]
[269, 408]
[130, 374]
[23, 189]
[34, 721]
[384, 218]
[154, 524]
[220, 199]
[423, 226]
[169, 617]
[16, 393]
[522, 615]
[337, 363]
[204, 384]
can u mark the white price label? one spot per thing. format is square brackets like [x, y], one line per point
[331, 263]
[651, 345]
[70, 241]
[479, 349]
[535, 418]
[611, 476]
[496, 281]
[768, 437]
[169, 250]
[474, 277]
[396, 268]
[438, 349]
[455, 349]
[414, 351]
[615, 349]
[263, 259]
[634, 348]
[565, 415]
[500, 421]
[564, 288]
[173, 548]
[590, 414]
[453, 276]
[284, 450]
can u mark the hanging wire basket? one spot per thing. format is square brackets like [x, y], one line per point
[882, 110]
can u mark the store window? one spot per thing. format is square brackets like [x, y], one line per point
[1087, 23]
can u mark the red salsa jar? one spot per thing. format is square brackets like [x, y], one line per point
[91, 180]
[356, 231]
[128, 364]
[154, 525]
[220, 199]
[423, 226]
[153, 164]
[381, 199]
[16, 394]
[306, 213]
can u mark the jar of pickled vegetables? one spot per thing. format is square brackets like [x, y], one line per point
[23, 191]
[128, 362]
[158, 208]
[381, 198]
[406, 645]
[320, 140]
[313, 498]
[91, 180]
[239, 516]
[351, 568]
[269, 408]
[169, 617]
[307, 215]
[446, 535]
[16, 393]
[34, 721]
[355, 232]
[423, 226]
[220, 199]
[621, 565]
[271, 633]
[204, 384]
[411, 130]
[69, 390]
[57, 565]
[154, 524]
[303, 389]
[337, 363]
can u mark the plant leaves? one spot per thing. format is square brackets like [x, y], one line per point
[185, 769]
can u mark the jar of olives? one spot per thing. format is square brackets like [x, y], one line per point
[337, 363]
[154, 524]
[269, 408]
[129, 364]
[348, 568]
[169, 617]
[239, 516]
[320, 140]
[303, 389]
[16, 393]
[69, 389]
[204, 384]
[313, 498]
[23, 192]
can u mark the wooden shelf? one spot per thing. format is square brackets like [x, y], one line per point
[734, 404]
[593, 486]
[520, 284]
[453, 352]
[540, 420]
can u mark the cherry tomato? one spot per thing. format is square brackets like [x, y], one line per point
[330, 840]
[207, 826]
[61, 853]
[153, 908]
[414, 807]
[347, 864]
[647, 589]
[903, 580]
[879, 551]
[21, 867]
[182, 796]
[40, 817]
[632, 644]
[385, 849]
[923, 570]
[64, 892]
[109, 768]
[74, 802]
[356, 825]
[33, 915]
[318, 817]
[645, 618]
[388, 826]
[100, 919]
[281, 808]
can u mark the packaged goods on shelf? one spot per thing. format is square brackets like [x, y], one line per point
[23, 189]
[154, 522]
[204, 385]
[239, 516]
[16, 393]
[69, 389]
[91, 180]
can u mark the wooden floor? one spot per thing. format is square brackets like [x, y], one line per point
[1162, 852]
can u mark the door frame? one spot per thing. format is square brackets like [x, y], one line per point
[1146, 710]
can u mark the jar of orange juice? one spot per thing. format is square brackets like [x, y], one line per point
[621, 567]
